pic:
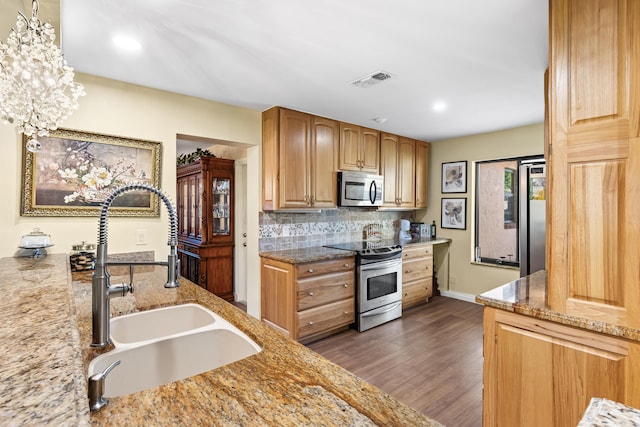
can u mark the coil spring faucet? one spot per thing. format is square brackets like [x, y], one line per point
[102, 290]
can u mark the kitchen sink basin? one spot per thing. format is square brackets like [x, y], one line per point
[152, 363]
[160, 323]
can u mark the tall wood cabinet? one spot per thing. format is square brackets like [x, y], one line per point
[359, 148]
[398, 166]
[593, 154]
[299, 160]
[205, 224]
[543, 373]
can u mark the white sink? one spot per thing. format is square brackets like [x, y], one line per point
[151, 362]
[159, 323]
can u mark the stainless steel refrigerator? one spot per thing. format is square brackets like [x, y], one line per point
[532, 215]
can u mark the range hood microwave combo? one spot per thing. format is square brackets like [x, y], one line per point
[360, 189]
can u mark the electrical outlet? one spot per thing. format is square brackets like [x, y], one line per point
[452, 280]
[141, 237]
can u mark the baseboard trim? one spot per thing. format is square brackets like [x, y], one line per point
[459, 295]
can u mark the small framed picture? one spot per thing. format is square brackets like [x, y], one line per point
[454, 177]
[454, 213]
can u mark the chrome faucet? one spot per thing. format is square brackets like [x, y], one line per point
[102, 290]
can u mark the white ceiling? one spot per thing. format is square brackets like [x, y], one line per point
[484, 59]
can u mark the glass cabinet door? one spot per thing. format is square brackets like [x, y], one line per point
[221, 201]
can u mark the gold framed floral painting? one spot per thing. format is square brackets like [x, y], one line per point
[75, 172]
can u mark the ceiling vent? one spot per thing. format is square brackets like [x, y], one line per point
[372, 79]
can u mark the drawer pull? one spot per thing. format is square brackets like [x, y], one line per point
[310, 270]
[345, 285]
[311, 323]
[347, 265]
[345, 313]
[311, 293]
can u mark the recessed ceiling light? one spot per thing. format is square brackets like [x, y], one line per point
[439, 106]
[126, 43]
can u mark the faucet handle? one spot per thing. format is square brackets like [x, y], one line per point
[96, 388]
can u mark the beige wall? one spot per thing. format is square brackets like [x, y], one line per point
[465, 277]
[116, 108]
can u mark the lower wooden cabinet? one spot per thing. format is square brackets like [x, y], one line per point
[310, 300]
[417, 274]
[540, 373]
[210, 267]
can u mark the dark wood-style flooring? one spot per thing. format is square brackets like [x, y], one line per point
[430, 359]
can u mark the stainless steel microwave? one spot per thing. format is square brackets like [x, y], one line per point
[360, 189]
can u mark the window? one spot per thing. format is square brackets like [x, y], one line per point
[496, 211]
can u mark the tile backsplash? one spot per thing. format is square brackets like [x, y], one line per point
[282, 230]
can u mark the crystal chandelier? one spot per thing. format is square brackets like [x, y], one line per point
[37, 91]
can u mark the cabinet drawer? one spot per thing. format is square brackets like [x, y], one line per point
[417, 269]
[416, 292]
[417, 251]
[323, 267]
[324, 289]
[326, 317]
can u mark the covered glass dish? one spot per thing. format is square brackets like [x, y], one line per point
[35, 239]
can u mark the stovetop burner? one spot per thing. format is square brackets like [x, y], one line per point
[372, 245]
[370, 251]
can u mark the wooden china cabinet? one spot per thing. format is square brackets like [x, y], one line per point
[205, 224]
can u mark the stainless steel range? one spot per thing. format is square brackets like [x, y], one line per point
[378, 281]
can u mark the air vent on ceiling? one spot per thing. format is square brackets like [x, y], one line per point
[372, 79]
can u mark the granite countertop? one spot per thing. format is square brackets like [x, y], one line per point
[528, 296]
[46, 329]
[604, 412]
[42, 378]
[303, 255]
[323, 253]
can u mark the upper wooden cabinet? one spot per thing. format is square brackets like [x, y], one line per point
[301, 154]
[359, 149]
[398, 160]
[594, 160]
[299, 158]
[422, 156]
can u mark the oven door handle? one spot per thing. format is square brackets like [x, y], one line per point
[383, 265]
[377, 313]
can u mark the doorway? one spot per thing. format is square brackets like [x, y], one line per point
[238, 153]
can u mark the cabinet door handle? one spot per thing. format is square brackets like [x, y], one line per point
[310, 270]
[345, 312]
[311, 293]
[313, 200]
[310, 323]
[345, 285]
[347, 265]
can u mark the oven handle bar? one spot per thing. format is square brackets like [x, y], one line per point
[377, 313]
[383, 265]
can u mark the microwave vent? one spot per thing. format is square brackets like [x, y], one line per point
[372, 79]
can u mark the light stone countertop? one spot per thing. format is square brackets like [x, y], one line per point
[604, 412]
[46, 331]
